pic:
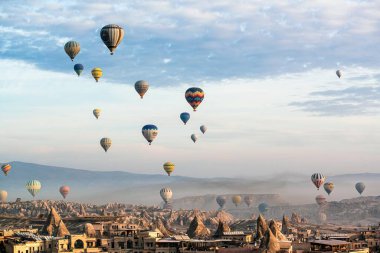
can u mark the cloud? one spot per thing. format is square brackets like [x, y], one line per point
[245, 38]
[361, 99]
[251, 129]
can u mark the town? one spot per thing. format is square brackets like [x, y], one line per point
[138, 229]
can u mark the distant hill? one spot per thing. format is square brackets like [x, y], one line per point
[103, 187]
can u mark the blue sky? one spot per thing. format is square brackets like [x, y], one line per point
[273, 102]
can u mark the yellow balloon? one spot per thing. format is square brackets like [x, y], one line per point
[96, 112]
[97, 73]
[169, 167]
[236, 200]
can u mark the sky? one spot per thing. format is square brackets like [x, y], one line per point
[273, 103]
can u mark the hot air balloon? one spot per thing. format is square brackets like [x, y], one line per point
[72, 48]
[236, 200]
[194, 137]
[3, 196]
[263, 207]
[185, 116]
[166, 194]
[221, 200]
[111, 36]
[194, 97]
[329, 187]
[321, 200]
[64, 190]
[248, 200]
[318, 179]
[33, 187]
[6, 168]
[141, 87]
[78, 68]
[97, 112]
[149, 132]
[203, 129]
[338, 73]
[360, 187]
[169, 167]
[97, 73]
[322, 217]
[105, 143]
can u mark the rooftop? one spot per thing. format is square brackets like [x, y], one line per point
[330, 242]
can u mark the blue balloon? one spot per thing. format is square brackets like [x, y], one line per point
[263, 207]
[78, 68]
[185, 116]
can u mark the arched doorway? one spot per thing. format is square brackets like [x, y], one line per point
[79, 244]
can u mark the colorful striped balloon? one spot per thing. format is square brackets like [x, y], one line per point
[318, 179]
[33, 187]
[194, 96]
[97, 73]
[6, 168]
[169, 167]
[150, 132]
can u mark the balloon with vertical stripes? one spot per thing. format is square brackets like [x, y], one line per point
[33, 187]
[72, 48]
[111, 36]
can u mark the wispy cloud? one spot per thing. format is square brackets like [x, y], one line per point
[245, 38]
[48, 119]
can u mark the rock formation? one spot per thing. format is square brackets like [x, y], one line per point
[222, 227]
[89, 230]
[261, 227]
[197, 229]
[285, 225]
[159, 225]
[269, 244]
[296, 219]
[54, 225]
[276, 231]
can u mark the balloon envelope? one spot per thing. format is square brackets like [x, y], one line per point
[105, 143]
[111, 36]
[166, 194]
[236, 200]
[322, 217]
[321, 200]
[169, 167]
[339, 73]
[203, 129]
[33, 187]
[97, 112]
[194, 96]
[185, 116]
[194, 137]
[141, 87]
[78, 68]
[64, 190]
[360, 187]
[97, 73]
[6, 168]
[221, 200]
[329, 187]
[318, 179]
[263, 207]
[248, 200]
[72, 48]
[150, 132]
[3, 196]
